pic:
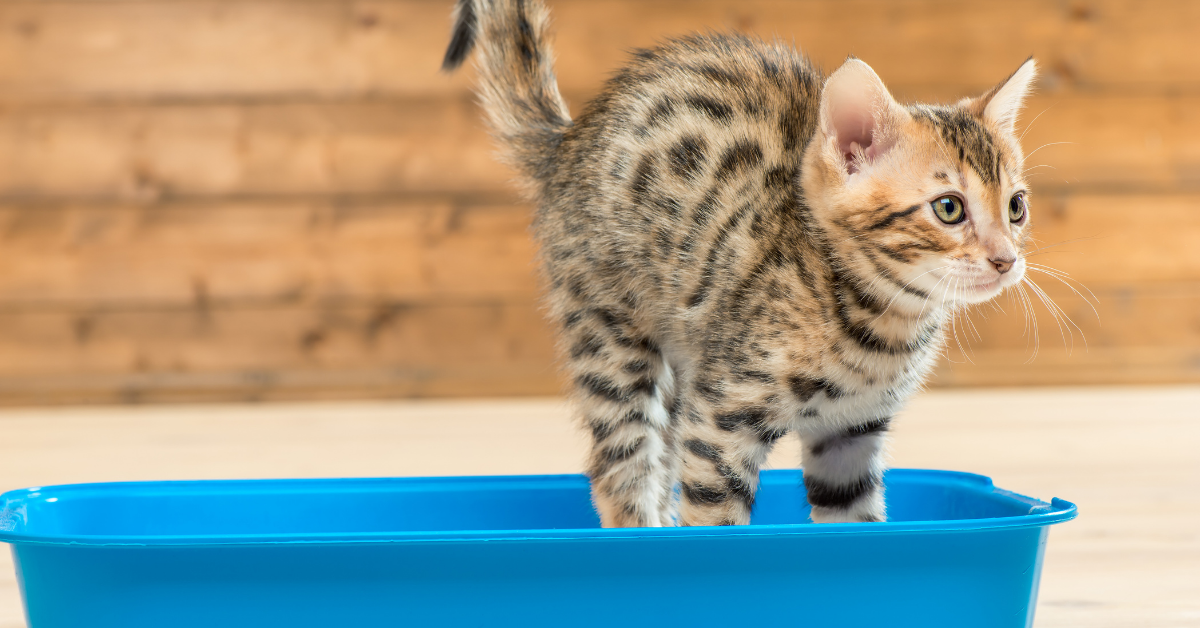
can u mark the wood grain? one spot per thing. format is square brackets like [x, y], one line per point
[213, 254]
[331, 48]
[1141, 333]
[291, 350]
[146, 152]
[328, 335]
[303, 349]
[1120, 316]
[219, 252]
[276, 300]
[151, 151]
[188, 49]
[207, 199]
[1117, 239]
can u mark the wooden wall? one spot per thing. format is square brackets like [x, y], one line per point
[258, 199]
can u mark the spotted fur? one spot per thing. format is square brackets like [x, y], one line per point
[737, 247]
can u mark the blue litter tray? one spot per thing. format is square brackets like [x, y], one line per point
[515, 551]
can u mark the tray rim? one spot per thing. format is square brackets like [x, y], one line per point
[1041, 514]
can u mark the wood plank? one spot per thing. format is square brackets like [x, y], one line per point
[1108, 366]
[201, 49]
[1144, 333]
[209, 254]
[149, 151]
[291, 384]
[307, 350]
[388, 349]
[1113, 142]
[107, 49]
[1141, 315]
[144, 152]
[1111, 240]
[1095, 45]
[285, 250]
[151, 294]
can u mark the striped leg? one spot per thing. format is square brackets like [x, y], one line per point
[843, 473]
[722, 452]
[668, 506]
[623, 389]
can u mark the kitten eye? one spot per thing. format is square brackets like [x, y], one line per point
[1016, 207]
[949, 209]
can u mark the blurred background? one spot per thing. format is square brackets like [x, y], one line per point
[205, 200]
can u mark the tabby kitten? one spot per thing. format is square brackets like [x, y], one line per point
[737, 247]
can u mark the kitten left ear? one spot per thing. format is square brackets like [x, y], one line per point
[1001, 104]
[858, 114]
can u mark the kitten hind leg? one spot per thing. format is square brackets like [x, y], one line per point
[843, 473]
[722, 452]
[669, 462]
[623, 388]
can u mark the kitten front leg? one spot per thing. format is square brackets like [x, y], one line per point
[843, 472]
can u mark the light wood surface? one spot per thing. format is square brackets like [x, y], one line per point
[1126, 456]
[281, 199]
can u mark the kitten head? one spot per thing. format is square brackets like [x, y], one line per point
[930, 202]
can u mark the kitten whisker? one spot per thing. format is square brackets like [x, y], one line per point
[901, 291]
[1058, 312]
[1056, 244]
[1033, 324]
[1030, 321]
[1009, 295]
[966, 330]
[1072, 321]
[1029, 168]
[1092, 306]
[1024, 314]
[1044, 146]
[971, 323]
[1041, 295]
[1035, 119]
[1039, 174]
[1063, 277]
[968, 327]
[1052, 253]
[953, 317]
[925, 303]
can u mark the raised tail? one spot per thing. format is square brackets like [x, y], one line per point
[516, 78]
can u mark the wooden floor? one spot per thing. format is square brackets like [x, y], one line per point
[1127, 457]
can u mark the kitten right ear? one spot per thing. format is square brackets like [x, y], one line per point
[1001, 104]
[857, 113]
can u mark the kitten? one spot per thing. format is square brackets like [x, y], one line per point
[737, 247]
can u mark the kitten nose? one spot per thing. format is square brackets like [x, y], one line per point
[1003, 264]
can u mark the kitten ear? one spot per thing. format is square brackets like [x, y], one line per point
[857, 113]
[1001, 104]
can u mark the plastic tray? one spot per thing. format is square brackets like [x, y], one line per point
[515, 551]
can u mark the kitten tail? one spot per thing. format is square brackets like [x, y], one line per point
[517, 86]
